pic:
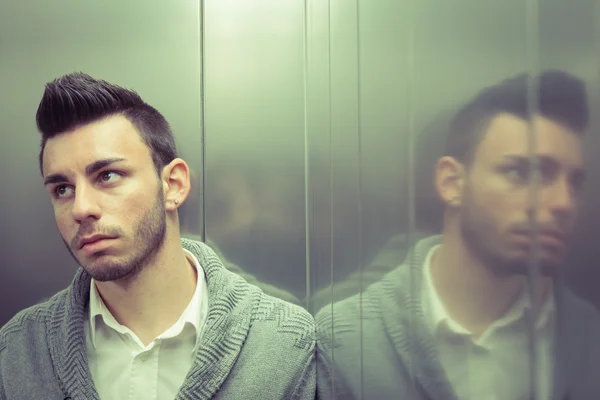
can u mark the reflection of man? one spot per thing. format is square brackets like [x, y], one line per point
[452, 322]
[149, 315]
[254, 219]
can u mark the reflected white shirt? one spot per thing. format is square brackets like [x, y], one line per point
[123, 368]
[494, 366]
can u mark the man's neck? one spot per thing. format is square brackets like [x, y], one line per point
[472, 293]
[153, 300]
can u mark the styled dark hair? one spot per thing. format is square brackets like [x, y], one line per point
[560, 97]
[77, 99]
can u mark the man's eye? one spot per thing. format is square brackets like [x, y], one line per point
[109, 176]
[518, 173]
[62, 191]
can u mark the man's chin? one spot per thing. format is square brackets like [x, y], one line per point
[547, 261]
[103, 272]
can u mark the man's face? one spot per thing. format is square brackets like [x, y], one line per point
[497, 212]
[103, 184]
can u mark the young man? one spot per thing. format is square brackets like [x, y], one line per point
[148, 315]
[453, 322]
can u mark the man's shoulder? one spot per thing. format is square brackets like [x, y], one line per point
[191, 242]
[29, 321]
[271, 319]
[365, 304]
[343, 322]
[392, 272]
[284, 319]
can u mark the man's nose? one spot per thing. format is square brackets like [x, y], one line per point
[560, 199]
[85, 204]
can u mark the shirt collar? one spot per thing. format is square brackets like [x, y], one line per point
[437, 314]
[195, 313]
[434, 309]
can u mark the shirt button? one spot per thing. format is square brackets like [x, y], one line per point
[144, 357]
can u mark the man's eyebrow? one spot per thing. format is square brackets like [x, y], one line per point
[89, 170]
[535, 158]
[578, 173]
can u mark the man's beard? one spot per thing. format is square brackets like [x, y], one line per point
[149, 239]
[486, 241]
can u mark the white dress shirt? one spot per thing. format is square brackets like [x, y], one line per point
[123, 368]
[494, 366]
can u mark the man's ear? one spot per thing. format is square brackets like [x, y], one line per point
[176, 183]
[449, 181]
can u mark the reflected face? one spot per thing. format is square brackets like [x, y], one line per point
[497, 212]
[107, 197]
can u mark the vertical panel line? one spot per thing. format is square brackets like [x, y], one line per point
[331, 180]
[201, 33]
[307, 208]
[331, 175]
[360, 192]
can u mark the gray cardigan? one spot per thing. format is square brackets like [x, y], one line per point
[376, 345]
[253, 347]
